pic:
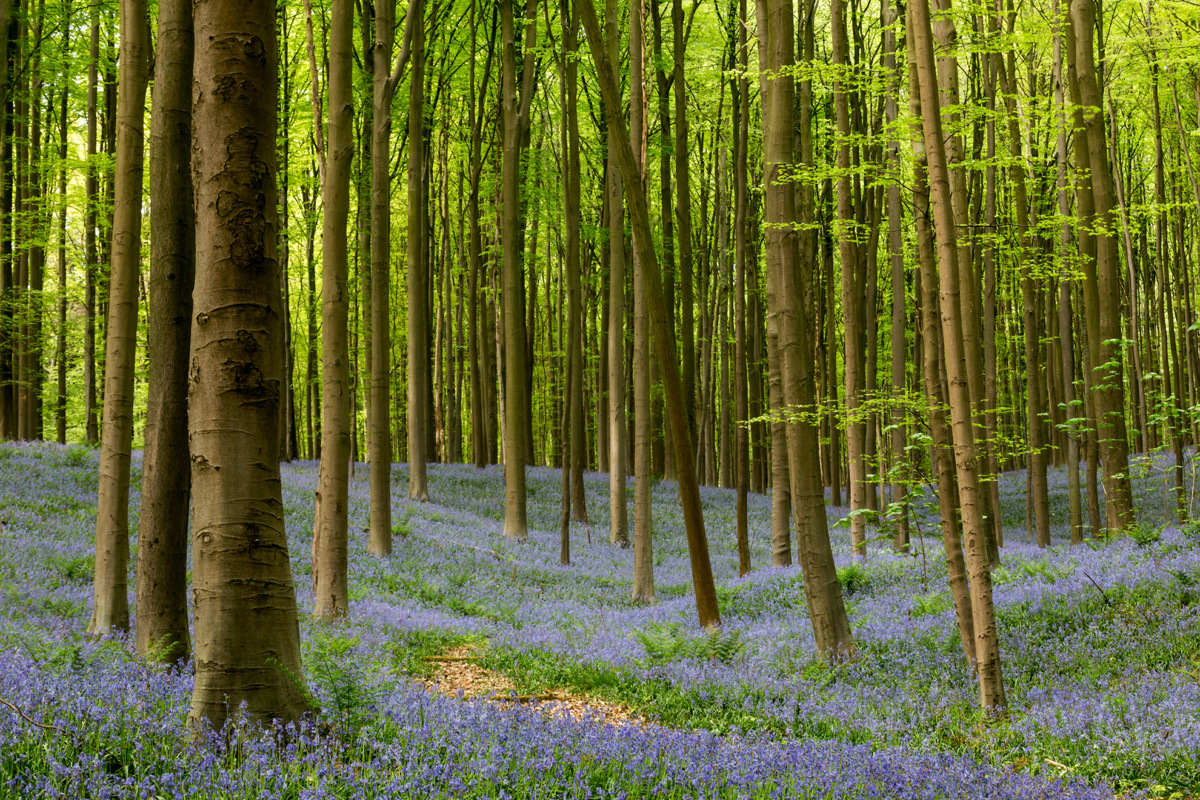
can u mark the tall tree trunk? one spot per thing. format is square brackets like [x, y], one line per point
[827, 611]
[742, 225]
[899, 317]
[91, 221]
[618, 532]
[513, 285]
[162, 622]
[943, 448]
[110, 609]
[643, 545]
[8, 428]
[241, 567]
[331, 583]
[683, 216]
[1035, 373]
[689, 489]
[418, 268]
[1110, 392]
[576, 425]
[987, 649]
[851, 292]
[379, 436]
[60, 346]
[1074, 499]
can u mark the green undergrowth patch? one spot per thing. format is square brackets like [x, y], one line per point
[413, 652]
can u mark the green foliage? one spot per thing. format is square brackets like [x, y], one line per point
[853, 578]
[671, 642]
[341, 689]
[932, 603]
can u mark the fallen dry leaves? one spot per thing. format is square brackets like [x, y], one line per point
[458, 674]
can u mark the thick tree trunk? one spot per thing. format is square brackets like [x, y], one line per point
[110, 610]
[247, 632]
[331, 583]
[162, 622]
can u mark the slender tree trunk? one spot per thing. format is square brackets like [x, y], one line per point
[1074, 498]
[827, 611]
[742, 225]
[899, 317]
[418, 268]
[643, 544]
[60, 345]
[8, 428]
[331, 583]
[689, 490]
[943, 448]
[1034, 371]
[617, 435]
[683, 216]
[162, 621]
[1110, 393]
[110, 611]
[512, 291]
[241, 567]
[987, 650]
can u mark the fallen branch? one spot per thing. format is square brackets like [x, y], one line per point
[32, 721]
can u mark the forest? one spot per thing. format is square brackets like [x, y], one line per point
[677, 398]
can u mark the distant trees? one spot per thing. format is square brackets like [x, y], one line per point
[540, 296]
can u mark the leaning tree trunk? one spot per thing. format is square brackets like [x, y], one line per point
[110, 610]
[162, 621]
[987, 646]
[827, 609]
[689, 488]
[241, 568]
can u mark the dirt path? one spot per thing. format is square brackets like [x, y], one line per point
[458, 674]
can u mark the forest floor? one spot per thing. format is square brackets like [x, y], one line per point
[475, 666]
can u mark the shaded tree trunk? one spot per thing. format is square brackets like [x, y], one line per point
[241, 567]
[162, 622]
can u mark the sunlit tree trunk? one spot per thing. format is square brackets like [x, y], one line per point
[1108, 383]
[987, 646]
[689, 489]
[618, 532]
[110, 610]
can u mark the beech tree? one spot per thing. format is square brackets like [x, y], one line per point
[247, 632]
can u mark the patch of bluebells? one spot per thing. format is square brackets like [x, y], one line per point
[896, 722]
